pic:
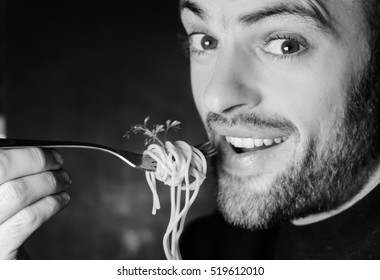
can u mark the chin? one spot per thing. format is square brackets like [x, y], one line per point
[265, 197]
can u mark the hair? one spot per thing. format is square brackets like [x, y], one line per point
[371, 10]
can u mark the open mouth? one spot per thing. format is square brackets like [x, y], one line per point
[243, 145]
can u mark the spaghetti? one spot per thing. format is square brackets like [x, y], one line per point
[183, 168]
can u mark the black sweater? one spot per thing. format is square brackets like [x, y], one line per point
[352, 234]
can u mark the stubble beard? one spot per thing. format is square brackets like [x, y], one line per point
[321, 177]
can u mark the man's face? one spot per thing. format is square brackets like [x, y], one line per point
[272, 81]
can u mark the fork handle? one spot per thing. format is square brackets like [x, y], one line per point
[133, 159]
[22, 143]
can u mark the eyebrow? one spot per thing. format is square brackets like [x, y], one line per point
[316, 12]
[193, 7]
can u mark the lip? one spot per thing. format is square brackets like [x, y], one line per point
[257, 161]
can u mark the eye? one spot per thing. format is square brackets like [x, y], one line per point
[284, 47]
[200, 42]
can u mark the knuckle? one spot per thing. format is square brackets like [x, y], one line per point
[28, 217]
[25, 220]
[50, 179]
[39, 156]
[13, 192]
[52, 204]
[49, 207]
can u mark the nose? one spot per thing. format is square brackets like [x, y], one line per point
[232, 84]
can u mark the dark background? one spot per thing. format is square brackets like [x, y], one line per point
[76, 70]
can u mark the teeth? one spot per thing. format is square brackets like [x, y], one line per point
[277, 140]
[259, 142]
[250, 143]
[268, 142]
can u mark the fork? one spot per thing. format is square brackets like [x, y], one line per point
[139, 161]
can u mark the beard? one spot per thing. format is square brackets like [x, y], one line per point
[322, 177]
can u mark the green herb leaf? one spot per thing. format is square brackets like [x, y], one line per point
[152, 132]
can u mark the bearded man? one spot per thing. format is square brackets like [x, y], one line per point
[289, 94]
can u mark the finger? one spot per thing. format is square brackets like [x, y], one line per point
[15, 163]
[19, 227]
[19, 193]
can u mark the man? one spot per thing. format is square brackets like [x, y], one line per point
[33, 189]
[289, 94]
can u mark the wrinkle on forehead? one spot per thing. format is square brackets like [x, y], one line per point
[341, 14]
[224, 11]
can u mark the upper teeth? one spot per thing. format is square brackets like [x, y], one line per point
[250, 143]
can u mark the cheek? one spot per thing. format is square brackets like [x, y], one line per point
[317, 105]
[313, 98]
[199, 82]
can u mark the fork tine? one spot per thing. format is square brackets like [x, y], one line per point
[211, 151]
[204, 146]
[207, 148]
[148, 164]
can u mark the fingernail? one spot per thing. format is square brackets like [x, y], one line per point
[57, 156]
[65, 196]
[66, 177]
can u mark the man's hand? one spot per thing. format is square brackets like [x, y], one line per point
[32, 189]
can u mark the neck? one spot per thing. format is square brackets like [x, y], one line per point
[373, 181]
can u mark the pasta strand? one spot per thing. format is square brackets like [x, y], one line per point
[183, 168]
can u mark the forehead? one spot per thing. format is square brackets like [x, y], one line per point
[340, 13]
[257, 3]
